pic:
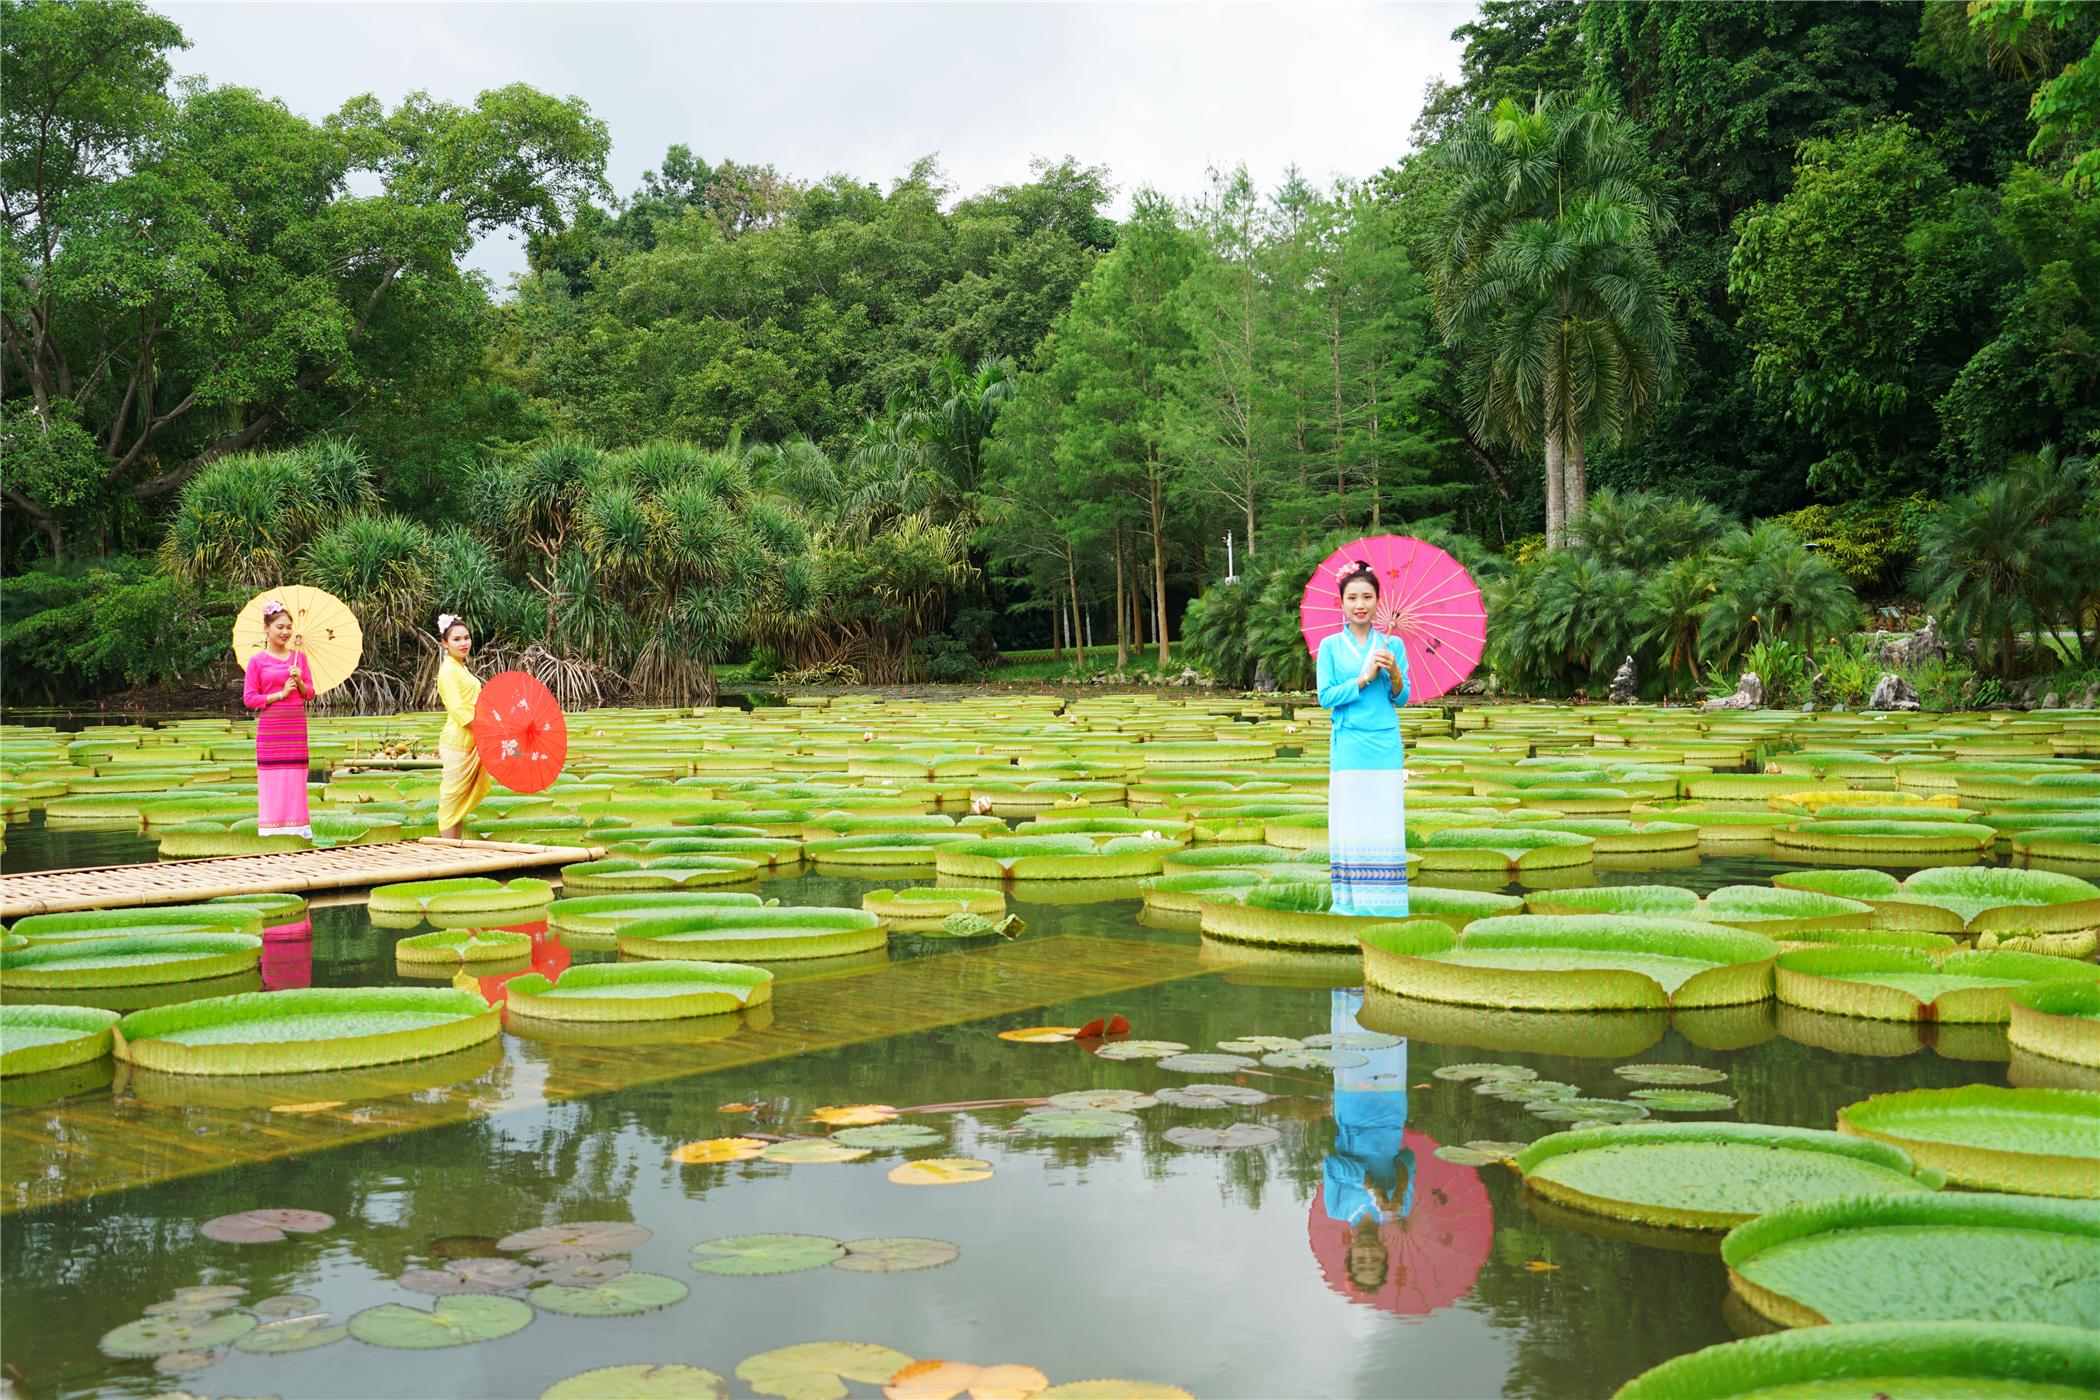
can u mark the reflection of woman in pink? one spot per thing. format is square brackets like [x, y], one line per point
[277, 686]
[1393, 1226]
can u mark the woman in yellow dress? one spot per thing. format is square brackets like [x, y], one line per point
[465, 782]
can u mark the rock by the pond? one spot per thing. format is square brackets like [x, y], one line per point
[1749, 695]
[1264, 678]
[1925, 644]
[1626, 682]
[1892, 692]
[2052, 701]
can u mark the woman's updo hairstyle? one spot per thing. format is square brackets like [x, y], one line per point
[1361, 569]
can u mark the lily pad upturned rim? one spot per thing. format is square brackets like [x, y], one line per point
[1875, 1351]
[90, 1038]
[140, 1036]
[679, 989]
[1981, 1164]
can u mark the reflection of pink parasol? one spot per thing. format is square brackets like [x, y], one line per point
[1425, 598]
[1433, 1253]
[550, 958]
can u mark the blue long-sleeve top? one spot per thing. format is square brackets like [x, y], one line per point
[1364, 721]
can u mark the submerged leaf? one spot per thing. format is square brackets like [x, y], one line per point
[577, 1239]
[1259, 1044]
[1316, 1057]
[1139, 1049]
[1227, 1139]
[1682, 1100]
[291, 1334]
[161, 1334]
[579, 1273]
[1669, 1074]
[1102, 1098]
[1354, 1040]
[741, 1256]
[1587, 1110]
[1465, 1072]
[1212, 1096]
[284, 1305]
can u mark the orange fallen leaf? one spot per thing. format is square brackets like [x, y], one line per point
[1540, 1266]
[857, 1115]
[1007, 1382]
[1042, 1035]
[738, 1108]
[319, 1106]
[931, 1380]
[708, 1151]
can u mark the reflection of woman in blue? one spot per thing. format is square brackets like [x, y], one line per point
[1370, 1174]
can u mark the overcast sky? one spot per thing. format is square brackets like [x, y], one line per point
[1155, 92]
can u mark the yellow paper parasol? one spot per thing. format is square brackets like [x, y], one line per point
[322, 624]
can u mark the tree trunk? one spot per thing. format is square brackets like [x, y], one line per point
[1072, 577]
[1122, 609]
[1556, 501]
[1576, 488]
[1159, 566]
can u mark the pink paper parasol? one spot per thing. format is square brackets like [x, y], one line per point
[1425, 598]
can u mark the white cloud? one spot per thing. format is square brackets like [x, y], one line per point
[1156, 92]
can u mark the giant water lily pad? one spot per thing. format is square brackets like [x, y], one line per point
[819, 1370]
[463, 945]
[2039, 1141]
[1571, 963]
[640, 1381]
[2059, 1019]
[1907, 984]
[1951, 1256]
[1886, 1361]
[1708, 1176]
[450, 1322]
[464, 895]
[1959, 899]
[35, 1039]
[648, 991]
[311, 1029]
[1778, 912]
[128, 961]
[160, 1334]
[742, 934]
[751, 1255]
[624, 1296]
[895, 1254]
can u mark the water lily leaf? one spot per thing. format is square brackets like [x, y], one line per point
[1355, 1040]
[284, 1305]
[263, 1226]
[1669, 1074]
[1140, 1049]
[577, 1239]
[620, 1297]
[1007, 1381]
[1212, 1096]
[857, 1115]
[1526, 1090]
[1113, 1390]
[581, 1273]
[440, 1283]
[451, 1322]
[1465, 1072]
[888, 1136]
[1587, 1110]
[463, 1247]
[1316, 1057]
[813, 1370]
[1201, 1063]
[1468, 1156]
[944, 1380]
[710, 1151]
[811, 1150]
[197, 1299]
[640, 1381]
[158, 1335]
[181, 1363]
[1227, 1139]
[1683, 1100]
[941, 1171]
[1102, 1098]
[749, 1255]
[893, 1254]
[1259, 1044]
[292, 1334]
[1042, 1035]
[1077, 1122]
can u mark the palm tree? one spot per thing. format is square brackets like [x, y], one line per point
[1549, 286]
[1673, 604]
[1643, 531]
[1768, 585]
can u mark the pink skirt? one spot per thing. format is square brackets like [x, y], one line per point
[281, 801]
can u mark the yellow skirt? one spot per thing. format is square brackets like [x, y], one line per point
[465, 783]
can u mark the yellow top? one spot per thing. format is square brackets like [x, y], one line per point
[458, 689]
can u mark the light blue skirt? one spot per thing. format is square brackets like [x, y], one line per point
[1367, 841]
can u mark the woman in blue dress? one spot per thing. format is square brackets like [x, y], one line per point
[1362, 684]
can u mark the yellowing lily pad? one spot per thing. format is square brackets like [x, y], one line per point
[709, 1151]
[811, 1150]
[857, 1115]
[1041, 1035]
[640, 1381]
[941, 1171]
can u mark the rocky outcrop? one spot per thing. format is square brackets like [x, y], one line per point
[1749, 695]
[1626, 682]
[1925, 644]
[1892, 692]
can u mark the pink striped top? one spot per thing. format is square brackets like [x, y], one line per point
[280, 728]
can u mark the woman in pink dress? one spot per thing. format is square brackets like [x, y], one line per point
[279, 683]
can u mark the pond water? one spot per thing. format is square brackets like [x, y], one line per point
[1227, 1273]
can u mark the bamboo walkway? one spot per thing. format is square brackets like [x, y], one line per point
[281, 872]
[158, 1127]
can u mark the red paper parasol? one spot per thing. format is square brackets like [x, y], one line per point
[520, 733]
[1425, 598]
[1433, 1253]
